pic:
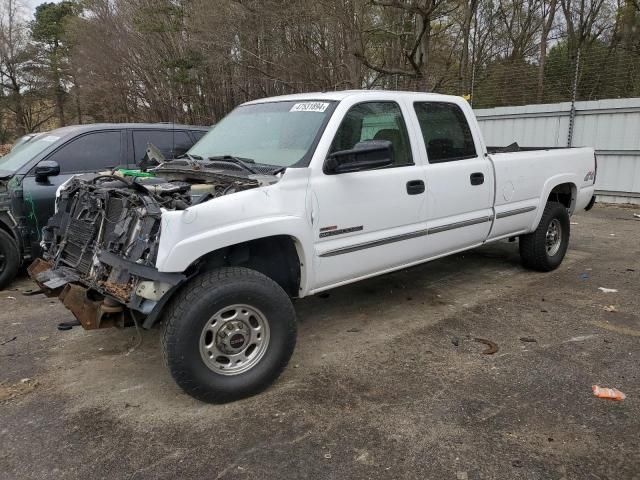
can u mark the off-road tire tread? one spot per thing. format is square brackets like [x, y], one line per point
[204, 284]
[12, 259]
[533, 253]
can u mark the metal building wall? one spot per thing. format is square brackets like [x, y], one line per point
[612, 127]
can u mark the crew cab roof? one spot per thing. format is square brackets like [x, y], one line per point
[364, 95]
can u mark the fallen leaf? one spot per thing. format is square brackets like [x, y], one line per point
[610, 308]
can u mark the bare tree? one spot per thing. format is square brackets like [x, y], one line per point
[13, 44]
[549, 9]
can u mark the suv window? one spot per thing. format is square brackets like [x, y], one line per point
[198, 134]
[89, 153]
[170, 142]
[375, 121]
[445, 131]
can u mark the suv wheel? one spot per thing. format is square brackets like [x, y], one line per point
[9, 259]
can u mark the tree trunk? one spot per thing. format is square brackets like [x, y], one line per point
[463, 68]
[18, 108]
[59, 96]
[424, 22]
[544, 39]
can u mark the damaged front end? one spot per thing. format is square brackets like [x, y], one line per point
[101, 245]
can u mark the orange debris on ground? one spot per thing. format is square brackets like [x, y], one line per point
[610, 393]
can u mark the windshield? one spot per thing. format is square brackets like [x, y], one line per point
[23, 153]
[22, 140]
[275, 133]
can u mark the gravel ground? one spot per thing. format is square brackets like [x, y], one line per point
[387, 380]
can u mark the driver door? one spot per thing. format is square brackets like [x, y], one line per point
[369, 221]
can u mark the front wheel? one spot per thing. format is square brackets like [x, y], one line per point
[544, 249]
[228, 334]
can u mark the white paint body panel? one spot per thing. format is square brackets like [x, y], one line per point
[398, 229]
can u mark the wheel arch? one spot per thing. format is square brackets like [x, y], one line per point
[276, 256]
[8, 225]
[564, 193]
[279, 257]
[560, 188]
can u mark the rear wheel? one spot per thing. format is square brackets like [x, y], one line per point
[9, 259]
[228, 334]
[545, 248]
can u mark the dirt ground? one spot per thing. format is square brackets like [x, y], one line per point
[386, 381]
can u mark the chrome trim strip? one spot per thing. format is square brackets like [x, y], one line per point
[404, 236]
[374, 243]
[517, 211]
[451, 226]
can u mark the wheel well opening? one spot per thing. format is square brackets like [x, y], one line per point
[565, 193]
[276, 257]
[4, 226]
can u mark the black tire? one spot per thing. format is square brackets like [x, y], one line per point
[533, 246]
[9, 259]
[191, 311]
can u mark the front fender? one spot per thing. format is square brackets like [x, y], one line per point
[183, 252]
[279, 209]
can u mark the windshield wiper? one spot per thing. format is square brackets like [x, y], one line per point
[242, 162]
[192, 159]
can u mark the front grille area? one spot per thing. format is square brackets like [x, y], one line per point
[78, 251]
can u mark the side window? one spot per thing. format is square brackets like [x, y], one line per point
[445, 131]
[375, 121]
[170, 142]
[90, 153]
[197, 134]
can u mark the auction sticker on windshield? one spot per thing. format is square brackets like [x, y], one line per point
[309, 107]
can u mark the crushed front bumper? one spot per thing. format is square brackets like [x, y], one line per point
[106, 305]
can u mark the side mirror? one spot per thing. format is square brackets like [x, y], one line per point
[46, 169]
[364, 156]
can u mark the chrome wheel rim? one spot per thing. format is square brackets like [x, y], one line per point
[553, 237]
[234, 339]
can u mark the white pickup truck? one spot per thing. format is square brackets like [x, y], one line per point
[287, 197]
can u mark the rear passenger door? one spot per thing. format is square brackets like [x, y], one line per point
[459, 179]
[171, 143]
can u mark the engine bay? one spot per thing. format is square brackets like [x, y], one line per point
[105, 232]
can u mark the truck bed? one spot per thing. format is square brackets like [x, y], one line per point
[529, 175]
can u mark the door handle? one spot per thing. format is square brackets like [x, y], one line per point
[415, 187]
[477, 178]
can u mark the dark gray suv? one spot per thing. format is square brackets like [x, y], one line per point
[32, 172]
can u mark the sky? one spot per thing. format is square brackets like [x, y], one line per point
[32, 4]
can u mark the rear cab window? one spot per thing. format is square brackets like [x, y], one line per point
[445, 131]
